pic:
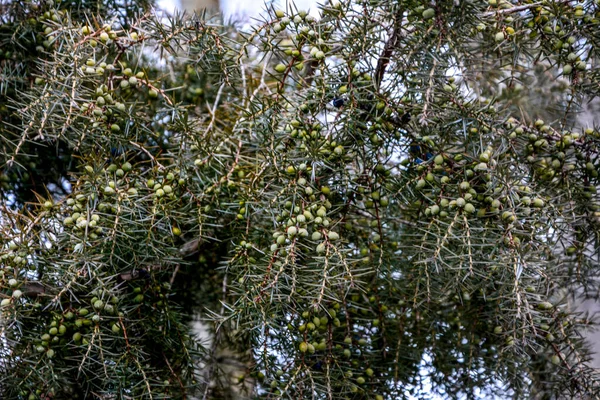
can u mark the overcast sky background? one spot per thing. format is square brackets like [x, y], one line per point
[244, 9]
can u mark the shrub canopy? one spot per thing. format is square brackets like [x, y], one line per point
[392, 199]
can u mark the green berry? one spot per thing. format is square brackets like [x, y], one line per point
[280, 68]
[99, 305]
[428, 13]
[567, 69]
[321, 248]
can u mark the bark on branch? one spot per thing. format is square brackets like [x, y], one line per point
[388, 48]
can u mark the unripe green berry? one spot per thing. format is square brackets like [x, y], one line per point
[567, 69]
[99, 305]
[303, 347]
[280, 68]
[428, 13]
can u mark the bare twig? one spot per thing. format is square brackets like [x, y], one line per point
[388, 49]
[512, 9]
[518, 8]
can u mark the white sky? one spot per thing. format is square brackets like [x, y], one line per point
[247, 8]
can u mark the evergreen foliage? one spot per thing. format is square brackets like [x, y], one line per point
[394, 199]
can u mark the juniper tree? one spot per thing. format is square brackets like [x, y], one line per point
[388, 200]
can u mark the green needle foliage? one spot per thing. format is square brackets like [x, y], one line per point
[393, 199]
